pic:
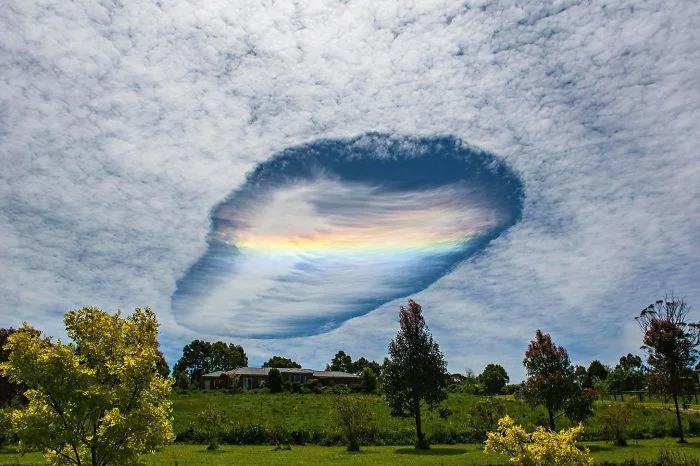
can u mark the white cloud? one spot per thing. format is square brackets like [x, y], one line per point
[123, 125]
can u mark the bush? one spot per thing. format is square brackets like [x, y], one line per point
[539, 448]
[351, 417]
[211, 422]
[484, 417]
[615, 420]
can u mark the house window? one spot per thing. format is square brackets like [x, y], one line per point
[298, 378]
[247, 383]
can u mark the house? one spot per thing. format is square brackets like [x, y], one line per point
[253, 377]
[218, 379]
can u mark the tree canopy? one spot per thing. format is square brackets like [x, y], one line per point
[281, 362]
[416, 371]
[97, 400]
[493, 378]
[201, 357]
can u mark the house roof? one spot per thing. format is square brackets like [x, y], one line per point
[215, 374]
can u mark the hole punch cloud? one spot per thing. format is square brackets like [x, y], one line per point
[331, 230]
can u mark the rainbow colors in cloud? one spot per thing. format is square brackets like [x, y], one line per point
[332, 230]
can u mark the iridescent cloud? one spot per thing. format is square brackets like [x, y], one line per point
[331, 230]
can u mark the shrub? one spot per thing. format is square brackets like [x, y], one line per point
[351, 416]
[211, 422]
[484, 417]
[615, 420]
[539, 448]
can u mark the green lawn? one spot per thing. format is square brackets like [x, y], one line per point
[440, 454]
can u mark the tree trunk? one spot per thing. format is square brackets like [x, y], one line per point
[678, 417]
[421, 444]
[550, 411]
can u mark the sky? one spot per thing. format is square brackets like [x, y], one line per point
[285, 175]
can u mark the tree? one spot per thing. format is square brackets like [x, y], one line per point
[416, 370]
[539, 448]
[97, 400]
[671, 345]
[274, 380]
[628, 375]
[368, 380]
[596, 370]
[281, 362]
[494, 378]
[550, 375]
[359, 365]
[201, 357]
[351, 416]
[341, 362]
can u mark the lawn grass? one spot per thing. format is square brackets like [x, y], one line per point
[182, 455]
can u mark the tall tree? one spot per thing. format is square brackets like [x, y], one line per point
[416, 371]
[550, 375]
[98, 400]
[671, 345]
[493, 378]
[281, 362]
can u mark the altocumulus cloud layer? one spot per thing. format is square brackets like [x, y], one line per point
[334, 229]
[125, 127]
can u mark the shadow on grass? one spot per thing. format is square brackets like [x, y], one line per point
[432, 451]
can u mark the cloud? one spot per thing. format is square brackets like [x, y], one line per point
[124, 124]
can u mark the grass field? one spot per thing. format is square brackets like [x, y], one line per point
[309, 413]
[182, 455]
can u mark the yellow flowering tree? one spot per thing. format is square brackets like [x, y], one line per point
[539, 448]
[98, 400]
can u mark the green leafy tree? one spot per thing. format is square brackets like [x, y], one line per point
[493, 378]
[282, 362]
[352, 417]
[341, 362]
[629, 375]
[368, 380]
[416, 371]
[550, 375]
[201, 357]
[97, 400]
[274, 380]
[596, 370]
[671, 345]
[359, 365]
